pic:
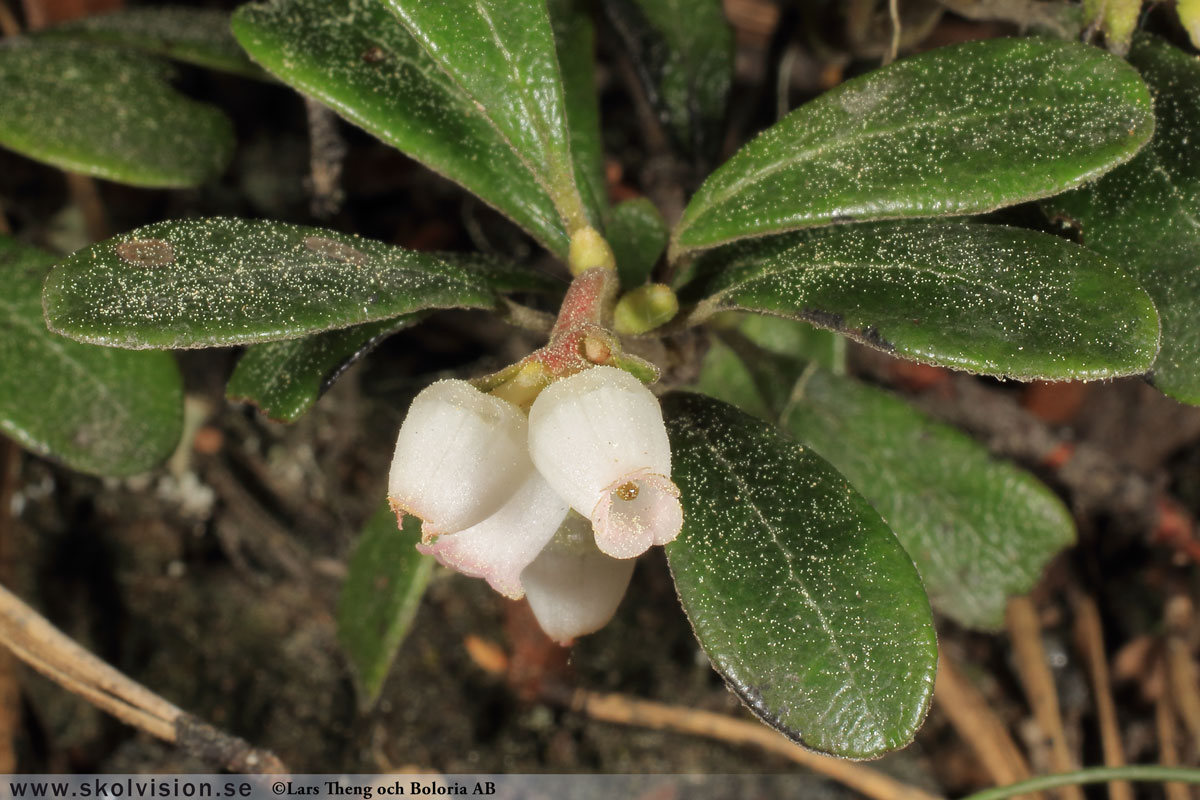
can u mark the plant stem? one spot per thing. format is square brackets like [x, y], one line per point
[1137, 773]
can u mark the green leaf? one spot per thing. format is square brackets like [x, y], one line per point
[801, 597]
[789, 337]
[107, 113]
[356, 57]
[214, 282]
[682, 52]
[199, 36]
[727, 377]
[575, 39]
[1144, 215]
[384, 586]
[983, 298]
[979, 530]
[285, 379]
[502, 54]
[107, 412]
[958, 130]
[638, 235]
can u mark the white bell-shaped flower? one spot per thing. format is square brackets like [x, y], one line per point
[599, 440]
[460, 455]
[571, 586]
[504, 544]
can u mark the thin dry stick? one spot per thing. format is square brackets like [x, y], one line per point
[85, 195]
[8, 21]
[973, 719]
[1089, 634]
[45, 648]
[5, 228]
[657, 716]
[1168, 752]
[327, 153]
[130, 715]
[10, 687]
[894, 15]
[1183, 676]
[1026, 634]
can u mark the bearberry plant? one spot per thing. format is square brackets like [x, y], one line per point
[809, 519]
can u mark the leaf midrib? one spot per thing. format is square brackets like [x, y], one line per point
[748, 492]
[794, 158]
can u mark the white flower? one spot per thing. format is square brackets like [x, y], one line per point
[504, 544]
[460, 456]
[571, 586]
[599, 440]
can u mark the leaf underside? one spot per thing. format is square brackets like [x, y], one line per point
[384, 584]
[978, 529]
[199, 36]
[285, 379]
[97, 410]
[108, 113]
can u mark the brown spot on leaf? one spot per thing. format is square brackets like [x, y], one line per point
[373, 55]
[146, 252]
[324, 246]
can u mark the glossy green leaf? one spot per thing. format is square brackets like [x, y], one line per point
[383, 589]
[638, 235]
[285, 379]
[199, 36]
[357, 57]
[979, 530]
[958, 130]
[1144, 215]
[682, 52]
[97, 410]
[727, 377]
[982, 298]
[801, 597]
[575, 39]
[502, 54]
[214, 282]
[792, 338]
[107, 113]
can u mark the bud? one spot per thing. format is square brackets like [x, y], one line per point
[460, 455]
[504, 544]
[571, 586]
[1189, 15]
[599, 440]
[644, 309]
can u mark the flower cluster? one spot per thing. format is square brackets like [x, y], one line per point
[553, 506]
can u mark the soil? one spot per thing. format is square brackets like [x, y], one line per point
[214, 581]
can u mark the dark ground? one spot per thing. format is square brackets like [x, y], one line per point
[214, 580]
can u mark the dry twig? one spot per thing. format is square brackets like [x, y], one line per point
[894, 16]
[86, 195]
[1026, 635]
[1168, 751]
[10, 687]
[1183, 676]
[623, 710]
[1090, 637]
[973, 719]
[32, 638]
[8, 21]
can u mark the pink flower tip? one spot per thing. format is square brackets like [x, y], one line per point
[636, 512]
